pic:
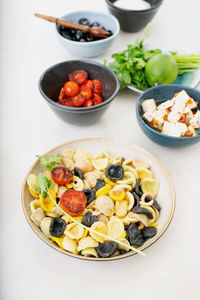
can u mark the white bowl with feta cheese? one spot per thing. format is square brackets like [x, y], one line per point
[170, 115]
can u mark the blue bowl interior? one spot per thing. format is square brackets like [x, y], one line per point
[159, 94]
[108, 21]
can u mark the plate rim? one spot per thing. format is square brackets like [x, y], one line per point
[144, 247]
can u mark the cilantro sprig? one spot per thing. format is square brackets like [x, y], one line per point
[50, 163]
[43, 184]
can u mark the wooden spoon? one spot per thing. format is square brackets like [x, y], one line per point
[95, 31]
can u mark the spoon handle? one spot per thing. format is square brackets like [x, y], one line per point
[64, 23]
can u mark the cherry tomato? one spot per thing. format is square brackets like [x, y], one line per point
[97, 86]
[89, 84]
[73, 202]
[79, 76]
[71, 88]
[61, 175]
[88, 103]
[67, 101]
[78, 100]
[86, 91]
[96, 99]
[61, 95]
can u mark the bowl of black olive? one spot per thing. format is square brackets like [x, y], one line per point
[82, 43]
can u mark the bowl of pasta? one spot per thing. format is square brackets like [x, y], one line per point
[98, 198]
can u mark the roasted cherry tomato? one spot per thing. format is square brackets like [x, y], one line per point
[71, 88]
[79, 76]
[61, 95]
[88, 103]
[86, 91]
[97, 86]
[61, 175]
[89, 84]
[96, 99]
[67, 101]
[78, 100]
[73, 202]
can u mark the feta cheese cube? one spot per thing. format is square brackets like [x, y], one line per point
[165, 105]
[174, 116]
[191, 131]
[179, 105]
[195, 120]
[174, 129]
[191, 104]
[148, 116]
[149, 105]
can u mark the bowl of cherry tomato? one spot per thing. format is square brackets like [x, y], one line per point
[79, 91]
[84, 44]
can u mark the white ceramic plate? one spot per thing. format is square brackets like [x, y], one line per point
[115, 147]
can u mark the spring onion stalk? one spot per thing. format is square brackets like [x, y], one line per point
[187, 63]
[96, 232]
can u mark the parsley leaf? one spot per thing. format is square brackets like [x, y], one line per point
[43, 184]
[50, 163]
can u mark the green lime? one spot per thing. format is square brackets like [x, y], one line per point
[161, 69]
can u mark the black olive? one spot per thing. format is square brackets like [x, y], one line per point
[57, 227]
[57, 200]
[147, 199]
[84, 21]
[78, 173]
[106, 249]
[114, 172]
[142, 210]
[137, 187]
[134, 235]
[137, 200]
[95, 24]
[89, 219]
[110, 33]
[149, 232]
[90, 195]
[82, 40]
[66, 35]
[89, 37]
[156, 204]
[122, 251]
[79, 35]
[100, 183]
[102, 27]
[72, 32]
[123, 159]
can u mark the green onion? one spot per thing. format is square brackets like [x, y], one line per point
[187, 63]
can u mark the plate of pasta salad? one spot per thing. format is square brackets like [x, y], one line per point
[98, 198]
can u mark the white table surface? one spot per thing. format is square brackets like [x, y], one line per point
[29, 268]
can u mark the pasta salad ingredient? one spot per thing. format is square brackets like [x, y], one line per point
[178, 117]
[79, 91]
[129, 64]
[113, 211]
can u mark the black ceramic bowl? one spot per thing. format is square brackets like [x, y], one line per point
[134, 20]
[53, 79]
